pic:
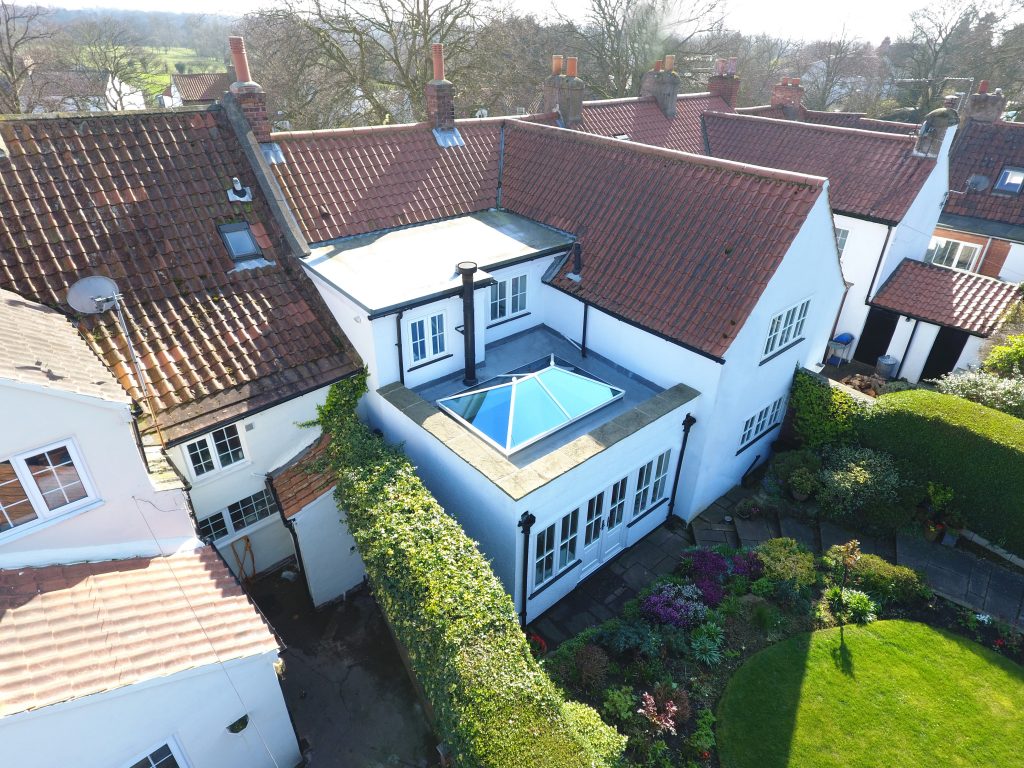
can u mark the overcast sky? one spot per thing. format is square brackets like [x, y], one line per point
[869, 19]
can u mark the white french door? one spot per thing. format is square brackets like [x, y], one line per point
[593, 526]
[615, 528]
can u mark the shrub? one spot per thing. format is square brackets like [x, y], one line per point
[707, 568]
[493, 704]
[628, 637]
[885, 582]
[854, 478]
[1007, 359]
[702, 740]
[803, 482]
[592, 667]
[706, 644]
[783, 560]
[786, 463]
[678, 606]
[851, 605]
[977, 451]
[1006, 395]
[747, 564]
[822, 414]
[678, 696]
[763, 588]
[619, 704]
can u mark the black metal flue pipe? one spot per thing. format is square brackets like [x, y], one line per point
[467, 269]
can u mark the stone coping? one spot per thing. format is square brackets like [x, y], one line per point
[518, 482]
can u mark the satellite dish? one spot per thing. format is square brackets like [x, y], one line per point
[977, 183]
[92, 295]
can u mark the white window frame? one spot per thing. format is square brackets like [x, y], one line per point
[428, 337]
[35, 496]
[842, 237]
[944, 244]
[651, 481]
[762, 422]
[225, 515]
[211, 446]
[171, 744]
[1003, 185]
[558, 542]
[786, 328]
[503, 296]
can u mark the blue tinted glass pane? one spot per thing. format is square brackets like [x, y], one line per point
[487, 411]
[577, 394]
[535, 414]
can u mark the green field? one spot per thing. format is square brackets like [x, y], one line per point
[165, 59]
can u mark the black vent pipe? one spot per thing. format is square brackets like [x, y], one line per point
[525, 523]
[467, 269]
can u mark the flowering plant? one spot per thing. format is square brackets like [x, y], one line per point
[747, 564]
[663, 720]
[679, 606]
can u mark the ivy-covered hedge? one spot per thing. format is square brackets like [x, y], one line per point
[976, 450]
[494, 706]
[822, 414]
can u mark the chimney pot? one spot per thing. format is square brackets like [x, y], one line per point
[670, 62]
[239, 59]
[730, 67]
[658, 65]
[437, 53]
[570, 66]
[983, 86]
[985, 107]
[724, 84]
[556, 65]
[795, 82]
[720, 67]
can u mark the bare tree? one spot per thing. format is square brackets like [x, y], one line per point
[23, 30]
[108, 45]
[835, 69]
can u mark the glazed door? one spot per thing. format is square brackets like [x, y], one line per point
[593, 527]
[615, 528]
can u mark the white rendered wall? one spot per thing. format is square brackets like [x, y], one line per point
[920, 348]
[129, 518]
[971, 356]
[114, 729]
[1013, 268]
[860, 259]
[900, 339]
[331, 564]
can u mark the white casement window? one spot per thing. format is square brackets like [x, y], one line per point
[217, 450]
[238, 516]
[426, 337]
[651, 480]
[841, 236]
[508, 298]
[162, 757]
[550, 560]
[953, 254]
[42, 484]
[786, 327]
[761, 422]
[617, 503]
[660, 477]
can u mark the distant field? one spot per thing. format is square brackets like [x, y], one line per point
[164, 60]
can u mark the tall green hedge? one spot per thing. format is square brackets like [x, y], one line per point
[976, 450]
[822, 414]
[495, 707]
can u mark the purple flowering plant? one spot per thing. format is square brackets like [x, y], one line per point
[677, 605]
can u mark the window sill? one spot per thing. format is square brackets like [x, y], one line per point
[564, 572]
[781, 351]
[509, 319]
[217, 474]
[650, 509]
[428, 362]
[768, 431]
[14, 534]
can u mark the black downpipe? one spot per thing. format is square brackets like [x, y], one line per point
[583, 345]
[398, 335]
[467, 269]
[525, 524]
[688, 423]
[910, 341]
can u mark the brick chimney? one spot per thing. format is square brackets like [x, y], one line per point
[248, 94]
[986, 107]
[789, 95]
[440, 94]
[724, 83]
[662, 84]
[571, 107]
[933, 130]
[554, 85]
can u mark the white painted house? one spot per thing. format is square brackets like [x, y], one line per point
[125, 641]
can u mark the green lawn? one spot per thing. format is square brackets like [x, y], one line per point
[163, 66]
[894, 693]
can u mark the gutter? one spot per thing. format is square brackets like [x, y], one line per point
[878, 266]
[688, 423]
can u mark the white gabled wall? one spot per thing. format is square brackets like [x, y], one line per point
[194, 708]
[127, 518]
[860, 260]
[330, 561]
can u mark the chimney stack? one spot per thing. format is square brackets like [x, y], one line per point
[789, 95]
[662, 84]
[440, 94]
[986, 107]
[553, 86]
[249, 95]
[724, 83]
[564, 93]
[933, 130]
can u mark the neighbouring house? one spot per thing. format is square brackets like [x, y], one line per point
[196, 88]
[125, 641]
[573, 337]
[234, 343]
[75, 91]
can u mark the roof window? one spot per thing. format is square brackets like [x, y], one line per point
[239, 241]
[1010, 180]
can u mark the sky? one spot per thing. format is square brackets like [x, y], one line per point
[809, 19]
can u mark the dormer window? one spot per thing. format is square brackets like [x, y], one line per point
[239, 241]
[1011, 180]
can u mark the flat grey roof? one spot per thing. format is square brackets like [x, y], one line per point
[419, 261]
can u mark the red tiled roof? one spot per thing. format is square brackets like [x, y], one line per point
[643, 121]
[871, 174]
[356, 180]
[202, 87]
[68, 631]
[840, 119]
[296, 485]
[985, 149]
[966, 300]
[679, 244]
[138, 196]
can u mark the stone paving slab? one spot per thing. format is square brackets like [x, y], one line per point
[752, 532]
[800, 531]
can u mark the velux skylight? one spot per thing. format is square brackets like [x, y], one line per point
[517, 409]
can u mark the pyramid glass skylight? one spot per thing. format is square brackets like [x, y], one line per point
[517, 409]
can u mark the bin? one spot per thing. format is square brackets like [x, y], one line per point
[886, 366]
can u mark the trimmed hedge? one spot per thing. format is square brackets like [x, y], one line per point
[494, 706]
[822, 414]
[976, 450]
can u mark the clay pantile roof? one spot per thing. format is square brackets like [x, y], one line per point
[201, 87]
[679, 244]
[873, 175]
[966, 300]
[985, 149]
[39, 346]
[841, 119]
[355, 180]
[68, 631]
[296, 485]
[642, 120]
[137, 196]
